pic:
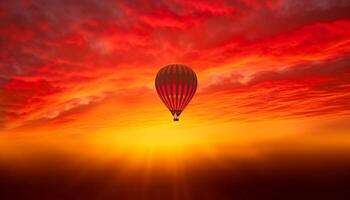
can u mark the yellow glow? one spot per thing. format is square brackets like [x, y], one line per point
[169, 145]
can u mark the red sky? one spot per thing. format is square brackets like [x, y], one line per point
[77, 78]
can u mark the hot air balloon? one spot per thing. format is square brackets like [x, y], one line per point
[176, 84]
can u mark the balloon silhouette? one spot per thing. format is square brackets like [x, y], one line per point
[176, 84]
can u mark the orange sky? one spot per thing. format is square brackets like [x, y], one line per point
[77, 78]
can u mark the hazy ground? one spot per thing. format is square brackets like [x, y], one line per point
[51, 174]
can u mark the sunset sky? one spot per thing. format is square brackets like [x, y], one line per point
[77, 97]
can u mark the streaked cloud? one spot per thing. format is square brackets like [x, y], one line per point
[256, 57]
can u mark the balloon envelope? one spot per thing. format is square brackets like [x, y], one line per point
[176, 84]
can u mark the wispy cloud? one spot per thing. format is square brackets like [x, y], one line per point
[261, 58]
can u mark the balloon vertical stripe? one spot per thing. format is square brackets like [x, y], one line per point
[177, 74]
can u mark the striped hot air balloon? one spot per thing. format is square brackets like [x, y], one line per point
[176, 84]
